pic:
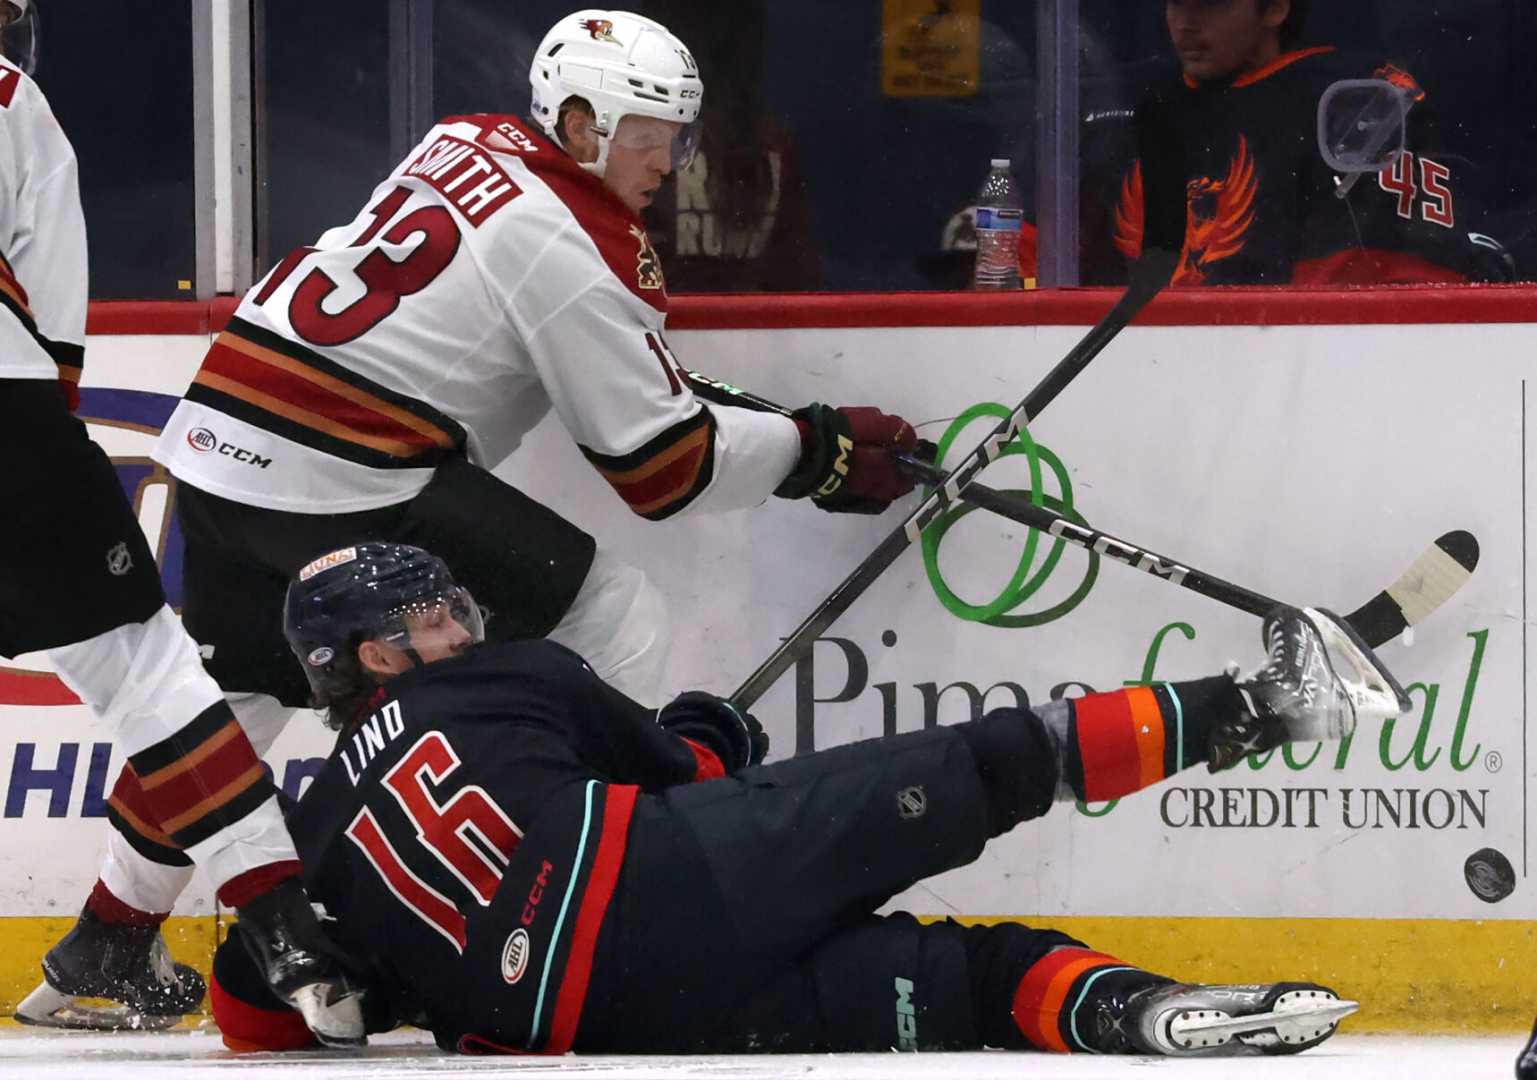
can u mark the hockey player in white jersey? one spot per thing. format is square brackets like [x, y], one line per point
[78, 580]
[366, 385]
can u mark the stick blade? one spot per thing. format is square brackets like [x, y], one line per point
[1431, 580]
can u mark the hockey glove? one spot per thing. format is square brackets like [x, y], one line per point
[732, 735]
[846, 464]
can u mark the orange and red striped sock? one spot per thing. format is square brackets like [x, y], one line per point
[1126, 740]
[1056, 1004]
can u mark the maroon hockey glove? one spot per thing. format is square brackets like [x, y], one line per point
[846, 464]
[731, 734]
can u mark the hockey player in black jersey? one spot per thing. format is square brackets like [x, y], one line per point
[1264, 207]
[520, 858]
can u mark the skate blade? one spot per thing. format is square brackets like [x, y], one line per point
[1373, 689]
[1296, 1019]
[47, 1007]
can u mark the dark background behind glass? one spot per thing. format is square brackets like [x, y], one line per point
[326, 137]
[119, 78]
[880, 177]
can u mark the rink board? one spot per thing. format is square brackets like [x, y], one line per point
[1310, 462]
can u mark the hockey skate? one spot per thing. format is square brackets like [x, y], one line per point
[1526, 1064]
[1319, 682]
[301, 966]
[111, 977]
[1193, 1020]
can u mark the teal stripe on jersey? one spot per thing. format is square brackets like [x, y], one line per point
[560, 920]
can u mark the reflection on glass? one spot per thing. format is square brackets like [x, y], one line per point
[1245, 79]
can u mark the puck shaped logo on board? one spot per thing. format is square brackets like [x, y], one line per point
[515, 955]
[1490, 875]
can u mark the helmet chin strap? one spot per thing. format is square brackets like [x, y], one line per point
[600, 166]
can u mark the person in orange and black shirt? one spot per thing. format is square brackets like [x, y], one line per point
[1263, 205]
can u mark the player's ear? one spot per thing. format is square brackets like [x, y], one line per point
[379, 660]
[1275, 13]
[576, 134]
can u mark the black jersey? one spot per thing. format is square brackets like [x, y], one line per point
[467, 771]
[1262, 203]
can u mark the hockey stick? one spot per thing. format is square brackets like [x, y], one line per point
[1428, 583]
[1431, 580]
[1163, 174]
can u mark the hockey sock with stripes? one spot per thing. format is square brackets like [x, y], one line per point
[1059, 1004]
[109, 909]
[1115, 743]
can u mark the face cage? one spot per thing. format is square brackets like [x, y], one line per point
[20, 39]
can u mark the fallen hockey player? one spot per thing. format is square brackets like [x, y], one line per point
[519, 858]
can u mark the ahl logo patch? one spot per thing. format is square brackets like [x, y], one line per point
[202, 440]
[515, 956]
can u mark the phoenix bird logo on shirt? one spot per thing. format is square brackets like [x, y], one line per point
[1219, 214]
[601, 30]
[648, 268]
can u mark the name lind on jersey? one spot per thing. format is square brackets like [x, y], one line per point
[206, 442]
[466, 176]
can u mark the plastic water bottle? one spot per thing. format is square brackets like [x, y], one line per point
[1000, 209]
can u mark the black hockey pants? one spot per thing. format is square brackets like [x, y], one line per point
[744, 914]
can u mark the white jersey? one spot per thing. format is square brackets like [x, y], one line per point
[489, 278]
[42, 238]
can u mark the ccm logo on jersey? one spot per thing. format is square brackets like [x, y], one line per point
[206, 442]
[515, 955]
[536, 893]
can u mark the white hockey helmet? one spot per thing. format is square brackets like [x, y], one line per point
[19, 35]
[623, 64]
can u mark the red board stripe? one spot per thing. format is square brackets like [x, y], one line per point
[1235, 306]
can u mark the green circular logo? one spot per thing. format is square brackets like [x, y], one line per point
[1024, 584]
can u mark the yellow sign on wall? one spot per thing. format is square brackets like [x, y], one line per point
[931, 48]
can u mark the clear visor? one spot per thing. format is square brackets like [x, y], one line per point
[445, 621]
[645, 134]
[19, 40]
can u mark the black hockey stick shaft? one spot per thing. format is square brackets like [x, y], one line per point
[1433, 578]
[1021, 509]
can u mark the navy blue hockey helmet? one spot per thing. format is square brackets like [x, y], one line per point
[374, 591]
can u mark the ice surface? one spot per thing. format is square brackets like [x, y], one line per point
[28, 1054]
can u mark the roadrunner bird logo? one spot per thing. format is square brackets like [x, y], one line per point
[648, 268]
[601, 30]
[1219, 214]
